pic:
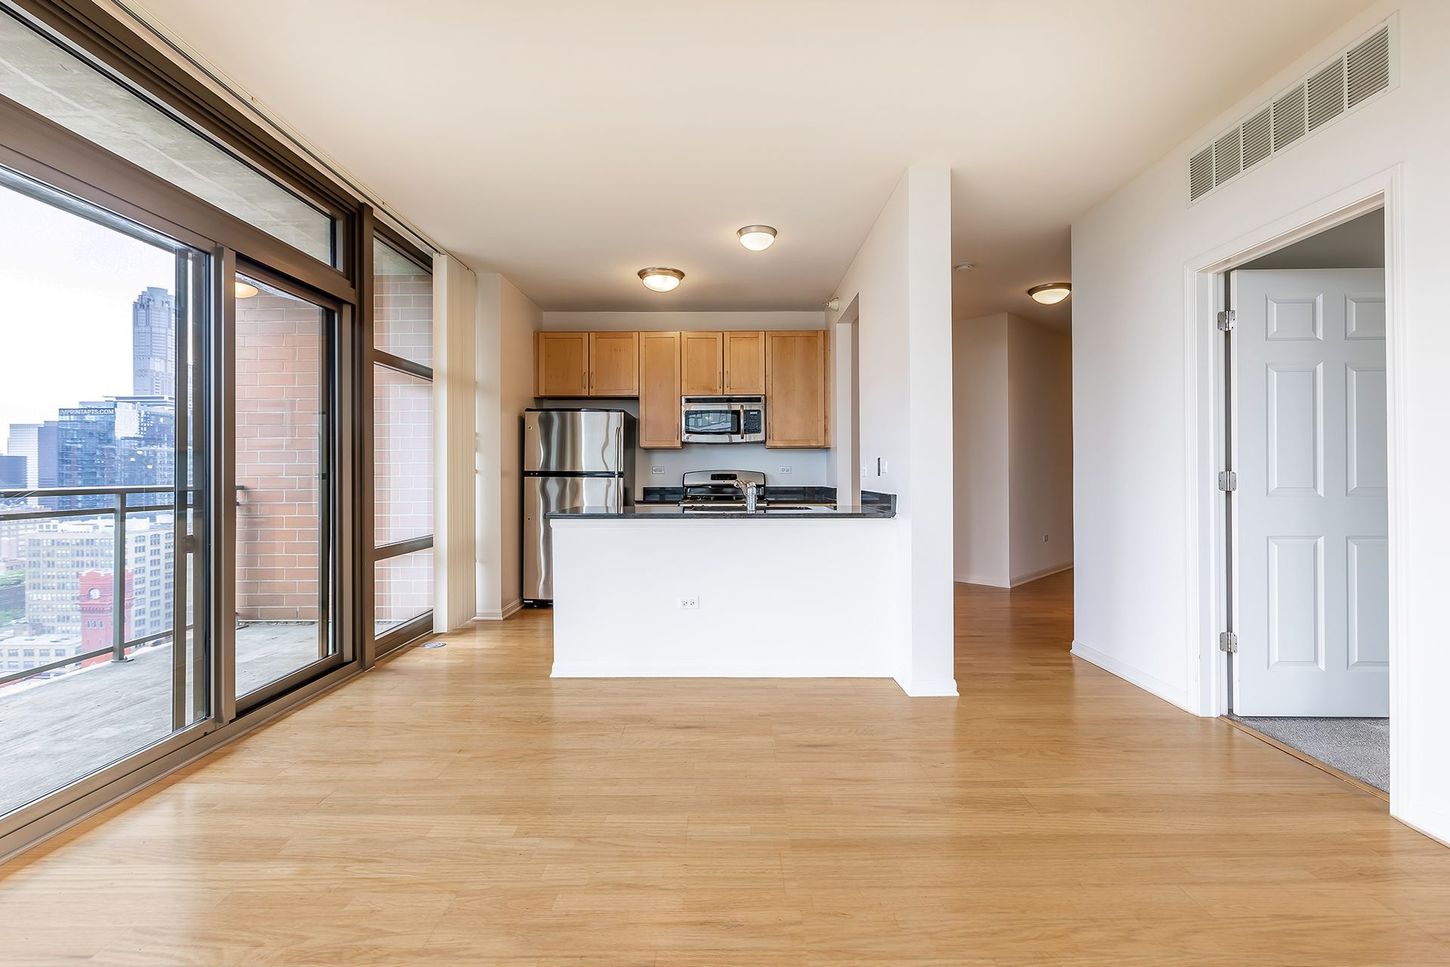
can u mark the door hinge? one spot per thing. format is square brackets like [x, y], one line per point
[1228, 481]
[1229, 642]
[1226, 320]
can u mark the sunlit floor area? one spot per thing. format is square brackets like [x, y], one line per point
[56, 731]
[457, 806]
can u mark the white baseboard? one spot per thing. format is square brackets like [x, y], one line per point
[1148, 683]
[1432, 823]
[653, 670]
[979, 581]
[1028, 578]
[944, 688]
[500, 613]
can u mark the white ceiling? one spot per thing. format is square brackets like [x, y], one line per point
[568, 143]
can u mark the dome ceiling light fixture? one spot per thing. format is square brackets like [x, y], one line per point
[1050, 293]
[245, 291]
[661, 279]
[757, 238]
[964, 266]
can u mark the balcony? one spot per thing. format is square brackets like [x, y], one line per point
[101, 576]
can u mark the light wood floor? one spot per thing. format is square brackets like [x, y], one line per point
[456, 806]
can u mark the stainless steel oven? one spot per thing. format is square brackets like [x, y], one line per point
[722, 419]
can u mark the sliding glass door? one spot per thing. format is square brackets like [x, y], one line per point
[283, 432]
[103, 644]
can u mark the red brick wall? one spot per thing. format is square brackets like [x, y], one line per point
[279, 390]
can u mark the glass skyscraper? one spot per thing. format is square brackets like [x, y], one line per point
[153, 344]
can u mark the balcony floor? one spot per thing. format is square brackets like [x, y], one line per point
[60, 730]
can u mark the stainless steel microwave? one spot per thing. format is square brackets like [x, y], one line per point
[722, 419]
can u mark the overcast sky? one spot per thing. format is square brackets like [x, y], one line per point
[66, 289]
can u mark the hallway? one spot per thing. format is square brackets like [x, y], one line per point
[455, 805]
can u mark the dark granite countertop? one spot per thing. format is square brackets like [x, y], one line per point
[658, 511]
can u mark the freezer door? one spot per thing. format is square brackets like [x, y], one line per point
[574, 441]
[543, 494]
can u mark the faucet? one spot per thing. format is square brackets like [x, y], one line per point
[751, 492]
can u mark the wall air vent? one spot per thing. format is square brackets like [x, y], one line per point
[1368, 65]
[1326, 95]
[1348, 81]
[1200, 173]
[1226, 159]
[1290, 122]
[1258, 137]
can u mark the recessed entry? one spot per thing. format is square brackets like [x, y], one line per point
[1295, 320]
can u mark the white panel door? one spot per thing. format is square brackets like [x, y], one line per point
[1311, 510]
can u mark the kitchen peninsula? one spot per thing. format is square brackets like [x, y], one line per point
[655, 590]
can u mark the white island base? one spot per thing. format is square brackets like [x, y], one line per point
[777, 598]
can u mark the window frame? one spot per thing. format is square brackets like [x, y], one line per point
[416, 627]
[37, 148]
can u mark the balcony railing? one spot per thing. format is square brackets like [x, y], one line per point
[121, 508]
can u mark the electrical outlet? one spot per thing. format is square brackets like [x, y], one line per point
[1044, 538]
[785, 469]
[689, 603]
[657, 471]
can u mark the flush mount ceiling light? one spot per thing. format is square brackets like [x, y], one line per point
[757, 238]
[245, 291]
[660, 279]
[964, 266]
[1050, 293]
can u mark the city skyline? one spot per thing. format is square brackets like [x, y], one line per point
[52, 315]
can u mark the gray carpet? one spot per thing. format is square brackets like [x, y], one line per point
[1360, 747]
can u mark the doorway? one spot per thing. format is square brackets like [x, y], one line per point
[1305, 434]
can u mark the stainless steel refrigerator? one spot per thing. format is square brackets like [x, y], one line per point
[572, 458]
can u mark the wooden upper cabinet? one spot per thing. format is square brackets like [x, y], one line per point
[701, 364]
[614, 364]
[744, 363]
[659, 390]
[795, 389]
[561, 364]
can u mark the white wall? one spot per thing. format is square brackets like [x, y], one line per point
[807, 467]
[899, 288]
[507, 321]
[454, 380]
[980, 451]
[1039, 476]
[1138, 374]
[1013, 450]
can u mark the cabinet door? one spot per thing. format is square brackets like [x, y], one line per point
[744, 362]
[700, 364]
[795, 389]
[659, 390]
[614, 364]
[561, 364]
